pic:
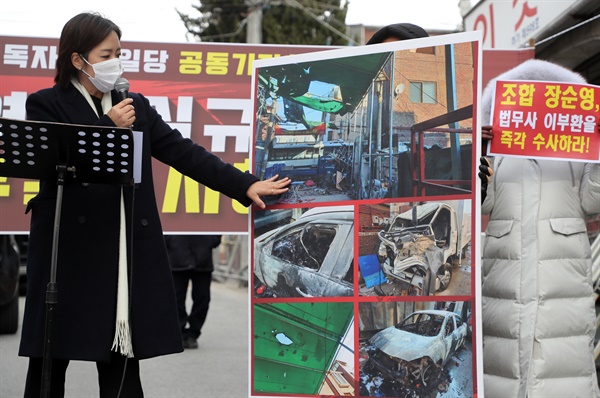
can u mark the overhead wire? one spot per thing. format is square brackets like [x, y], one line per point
[567, 30]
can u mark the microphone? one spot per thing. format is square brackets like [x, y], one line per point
[122, 87]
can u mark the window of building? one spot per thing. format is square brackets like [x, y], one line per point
[342, 382]
[423, 92]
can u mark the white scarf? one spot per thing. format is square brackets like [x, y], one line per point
[122, 340]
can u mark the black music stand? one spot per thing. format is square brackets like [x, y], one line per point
[44, 150]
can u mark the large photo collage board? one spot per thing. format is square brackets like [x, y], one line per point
[363, 275]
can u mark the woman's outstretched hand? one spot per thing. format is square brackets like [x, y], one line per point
[267, 187]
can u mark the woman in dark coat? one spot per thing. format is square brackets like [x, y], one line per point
[89, 255]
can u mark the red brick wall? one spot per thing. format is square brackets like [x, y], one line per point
[368, 242]
[423, 66]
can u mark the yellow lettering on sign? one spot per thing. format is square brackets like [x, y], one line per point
[237, 206]
[240, 68]
[30, 189]
[4, 189]
[172, 191]
[192, 194]
[211, 201]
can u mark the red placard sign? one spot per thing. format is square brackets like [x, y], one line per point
[555, 120]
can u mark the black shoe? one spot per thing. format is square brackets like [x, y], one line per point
[190, 342]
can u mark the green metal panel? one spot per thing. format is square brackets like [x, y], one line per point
[295, 344]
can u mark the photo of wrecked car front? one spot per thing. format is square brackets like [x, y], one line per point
[308, 253]
[415, 249]
[412, 358]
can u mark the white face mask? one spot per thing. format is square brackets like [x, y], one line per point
[106, 74]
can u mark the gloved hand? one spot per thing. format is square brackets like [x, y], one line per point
[485, 172]
[486, 135]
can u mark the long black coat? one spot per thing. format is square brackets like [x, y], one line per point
[89, 240]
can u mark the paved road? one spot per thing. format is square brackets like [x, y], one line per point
[218, 368]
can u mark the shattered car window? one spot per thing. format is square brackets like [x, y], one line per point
[400, 224]
[449, 326]
[306, 247]
[423, 324]
[442, 227]
[349, 277]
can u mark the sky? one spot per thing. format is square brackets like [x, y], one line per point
[143, 20]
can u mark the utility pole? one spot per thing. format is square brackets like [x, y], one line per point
[254, 18]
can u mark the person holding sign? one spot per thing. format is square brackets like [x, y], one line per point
[106, 235]
[537, 293]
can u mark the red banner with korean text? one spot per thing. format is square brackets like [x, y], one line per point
[555, 120]
[201, 89]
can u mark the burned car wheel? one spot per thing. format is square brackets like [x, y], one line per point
[444, 277]
[283, 289]
[427, 375]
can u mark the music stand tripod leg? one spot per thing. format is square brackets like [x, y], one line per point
[52, 287]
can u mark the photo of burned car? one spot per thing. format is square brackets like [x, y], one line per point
[420, 245]
[310, 257]
[409, 359]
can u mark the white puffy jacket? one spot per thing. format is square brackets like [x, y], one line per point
[538, 306]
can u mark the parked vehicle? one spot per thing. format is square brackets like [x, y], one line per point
[415, 351]
[311, 257]
[420, 245]
[316, 160]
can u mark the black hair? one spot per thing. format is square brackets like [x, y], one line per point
[80, 35]
[400, 31]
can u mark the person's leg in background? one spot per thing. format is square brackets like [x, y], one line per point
[201, 299]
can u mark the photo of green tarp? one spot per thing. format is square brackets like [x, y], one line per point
[295, 344]
[353, 75]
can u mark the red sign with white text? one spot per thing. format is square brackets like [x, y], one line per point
[555, 120]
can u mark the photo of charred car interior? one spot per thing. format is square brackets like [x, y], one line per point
[311, 256]
[420, 249]
[412, 358]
